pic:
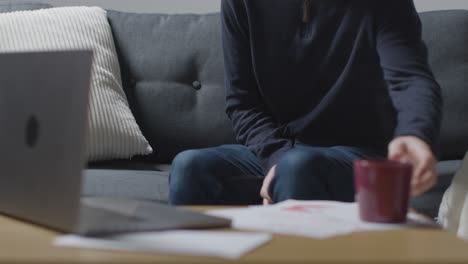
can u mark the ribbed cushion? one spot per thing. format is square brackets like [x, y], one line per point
[428, 203]
[453, 212]
[114, 132]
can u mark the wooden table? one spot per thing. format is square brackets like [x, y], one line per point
[25, 243]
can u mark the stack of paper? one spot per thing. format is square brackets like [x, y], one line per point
[317, 219]
[231, 245]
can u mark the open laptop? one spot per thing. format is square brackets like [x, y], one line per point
[43, 114]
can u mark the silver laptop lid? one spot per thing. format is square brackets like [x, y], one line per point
[43, 114]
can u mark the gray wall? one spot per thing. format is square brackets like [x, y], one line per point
[428, 5]
[203, 6]
[160, 6]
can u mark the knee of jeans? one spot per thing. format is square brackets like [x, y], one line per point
[185, 172]
[301, 165]
[299, 175]
[186, 166]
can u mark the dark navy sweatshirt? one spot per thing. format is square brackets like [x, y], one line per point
[354, 74]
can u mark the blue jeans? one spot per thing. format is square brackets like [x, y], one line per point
[232, 175]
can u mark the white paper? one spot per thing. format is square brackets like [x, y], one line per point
[317, 219]
[231, 245]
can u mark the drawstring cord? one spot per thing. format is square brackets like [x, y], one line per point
[306, 11]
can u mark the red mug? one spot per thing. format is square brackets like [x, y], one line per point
[382, 189]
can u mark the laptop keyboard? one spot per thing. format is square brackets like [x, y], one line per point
[98, 221]
[107, 216]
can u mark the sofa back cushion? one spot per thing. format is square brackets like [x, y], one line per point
[172, 71]
[173, 74]
[446, 36]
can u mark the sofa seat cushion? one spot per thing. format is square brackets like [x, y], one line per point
[138, 184]
[147, 183]
[429, 202]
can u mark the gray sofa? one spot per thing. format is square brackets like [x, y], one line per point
[172, 70]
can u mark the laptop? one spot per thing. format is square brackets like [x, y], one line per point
[43, 112]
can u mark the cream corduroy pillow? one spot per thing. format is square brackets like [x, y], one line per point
[114, 133]
[453, 211]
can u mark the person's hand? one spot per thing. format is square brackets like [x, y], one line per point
[418, 153]
[266, 183]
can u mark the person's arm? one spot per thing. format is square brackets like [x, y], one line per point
[252, 121]
[413, 89]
